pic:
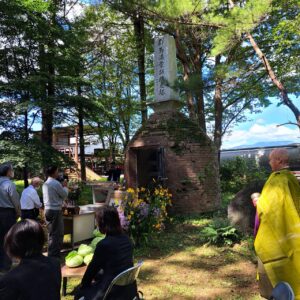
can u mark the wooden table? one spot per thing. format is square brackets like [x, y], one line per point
[67, 272]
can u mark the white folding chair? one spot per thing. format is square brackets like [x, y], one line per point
[127, 277]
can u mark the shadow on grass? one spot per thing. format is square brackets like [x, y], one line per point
[184, 234]
[179, 265]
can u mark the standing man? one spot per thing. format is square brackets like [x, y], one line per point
[54, 194]
[277, 242]
[30, 200]
[9, 209]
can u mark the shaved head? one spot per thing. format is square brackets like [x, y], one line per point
[279, 158]
[281, 154]
[36, 181]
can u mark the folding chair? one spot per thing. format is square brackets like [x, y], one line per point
[127, 277]
[282, 291]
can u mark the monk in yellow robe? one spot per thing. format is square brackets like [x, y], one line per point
[277, 243]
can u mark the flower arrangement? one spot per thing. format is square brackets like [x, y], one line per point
[144, 212]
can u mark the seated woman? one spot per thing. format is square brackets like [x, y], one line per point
[113, 255]
[36, 277]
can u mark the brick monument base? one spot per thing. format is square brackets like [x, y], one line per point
[170, 147]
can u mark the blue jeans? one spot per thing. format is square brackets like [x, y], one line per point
[7, 220]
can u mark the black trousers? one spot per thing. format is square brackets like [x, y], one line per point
[29, 214]
[55, 226]
[93, 292]
[7, 220]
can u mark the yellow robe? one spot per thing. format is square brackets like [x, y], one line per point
[277, 243]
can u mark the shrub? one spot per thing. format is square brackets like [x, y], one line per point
[220, 233]
[236, 173]
[144, 212]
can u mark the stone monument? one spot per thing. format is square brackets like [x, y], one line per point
[170, 148]
[165, 72]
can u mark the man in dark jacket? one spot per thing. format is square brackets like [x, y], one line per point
[9, 209]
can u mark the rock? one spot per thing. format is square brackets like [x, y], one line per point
[241, 212]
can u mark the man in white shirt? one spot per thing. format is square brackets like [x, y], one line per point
[30, 200]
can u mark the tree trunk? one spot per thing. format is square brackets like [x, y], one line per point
[200, 105]
[286, 100]
[139, 32]
[186, 74]
[218, 107]
[198, 66]
[49, 68]
[26, 136]
[81, 139]
[103, 145]
[47, 111]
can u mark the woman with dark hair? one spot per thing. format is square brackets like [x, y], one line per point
[113, 255]
[36, 277]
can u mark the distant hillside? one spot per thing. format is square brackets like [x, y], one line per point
[264, 144]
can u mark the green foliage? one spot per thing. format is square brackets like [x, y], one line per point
[39, 6]
[171, 7]
[236, 173]
[220, 233]
[34, 154]
[237, 21]
[90, 61]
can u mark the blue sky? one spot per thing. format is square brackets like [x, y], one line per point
[262, 127]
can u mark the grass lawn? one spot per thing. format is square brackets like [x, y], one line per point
[177, 265]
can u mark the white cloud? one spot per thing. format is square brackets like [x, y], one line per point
[75, 10]
[261, 133]
[260, 121]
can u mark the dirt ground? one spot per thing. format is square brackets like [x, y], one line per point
[200, 273]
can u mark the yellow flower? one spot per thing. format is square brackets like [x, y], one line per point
[129, 217]
[143, 189]
[132, 213]
[130, 190]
